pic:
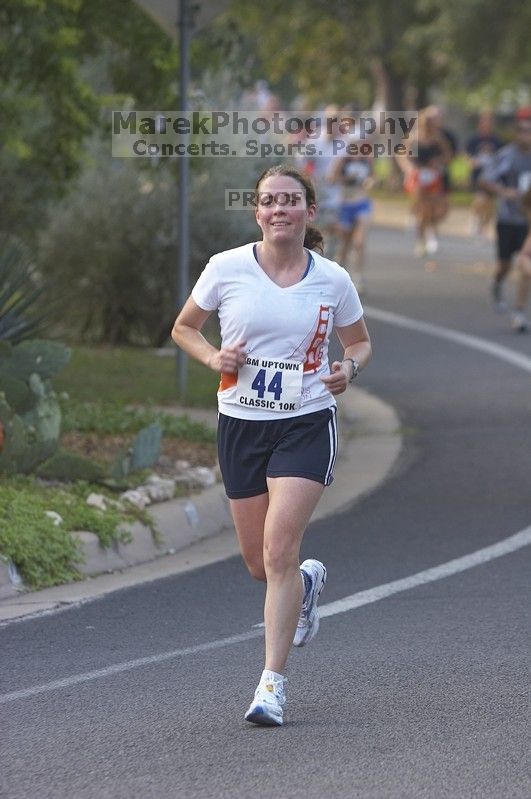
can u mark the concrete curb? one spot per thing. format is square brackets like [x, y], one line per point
[9, 579]
[180, 522]
[198, 530]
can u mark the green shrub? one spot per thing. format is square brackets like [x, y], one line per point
[70, 467]
[46, 554]
[112, 242]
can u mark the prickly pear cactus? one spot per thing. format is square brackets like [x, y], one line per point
[44, 358]
[146, 447]
[13, 439]
[30, 416]
[17, 393]
[143, 453]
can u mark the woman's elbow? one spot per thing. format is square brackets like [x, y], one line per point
[177, 333]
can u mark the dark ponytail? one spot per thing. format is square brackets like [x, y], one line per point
[313, 239]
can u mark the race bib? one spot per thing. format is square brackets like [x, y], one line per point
[269, 384]
[427, 176]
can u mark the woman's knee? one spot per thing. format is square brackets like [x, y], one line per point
[280, 556]
[523, 265]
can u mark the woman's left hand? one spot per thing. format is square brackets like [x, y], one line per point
[338, 379]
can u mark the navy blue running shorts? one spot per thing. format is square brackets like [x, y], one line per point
[510, 239]
[250, 450]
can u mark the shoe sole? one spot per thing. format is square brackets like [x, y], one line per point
[260, 716]
[315, 627]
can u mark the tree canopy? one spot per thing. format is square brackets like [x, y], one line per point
[339, 51]
[51, 96]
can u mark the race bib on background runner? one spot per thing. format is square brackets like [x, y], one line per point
[427, 176]
[270, 384]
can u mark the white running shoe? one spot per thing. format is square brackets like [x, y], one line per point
[266, 707]
[519, 322]
[432, 245]
[308, 623]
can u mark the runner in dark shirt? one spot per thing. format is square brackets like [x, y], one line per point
[481, 148]
[509, 177]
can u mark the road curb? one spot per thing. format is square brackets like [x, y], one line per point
[370, 442]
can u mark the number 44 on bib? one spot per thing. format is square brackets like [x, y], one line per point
[270, 384]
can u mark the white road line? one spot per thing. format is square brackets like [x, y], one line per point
[129, 665]
[473, 342]
[508, 545]
[505, 547]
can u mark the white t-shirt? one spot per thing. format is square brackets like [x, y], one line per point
[287, 332]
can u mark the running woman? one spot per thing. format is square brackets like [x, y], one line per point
[481, 149]
[354, 173]
[424, 181]
[508, 177]
[278, 304]
[519, 321]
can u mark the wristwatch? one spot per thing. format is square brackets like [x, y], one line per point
[355, 368]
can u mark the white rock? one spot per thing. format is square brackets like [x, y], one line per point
[159, 489]
[102, 502]
[97, 501]
[155, 479]
[54, 516]
[203, 476]
[136, 496]
[182, 466]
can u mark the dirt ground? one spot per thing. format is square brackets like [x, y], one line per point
[107, 448]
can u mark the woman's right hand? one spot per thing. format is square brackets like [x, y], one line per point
[229, 359]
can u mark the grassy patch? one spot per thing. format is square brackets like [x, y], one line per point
[112, 418]
[44, 553]
[128, 376]
[103, 385]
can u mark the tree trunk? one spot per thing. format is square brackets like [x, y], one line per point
[389, 87]
[390, 90]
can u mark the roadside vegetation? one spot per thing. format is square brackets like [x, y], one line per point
[107, 396]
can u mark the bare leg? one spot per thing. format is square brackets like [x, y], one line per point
[503, 269]
[345, 246]
[292, 501]
[423, 218]
[359, 238]
[524, 281]
[270, 528]
[483, 209]
[441, 204]
[249, 519]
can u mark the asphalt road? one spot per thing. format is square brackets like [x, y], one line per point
[422, 694]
